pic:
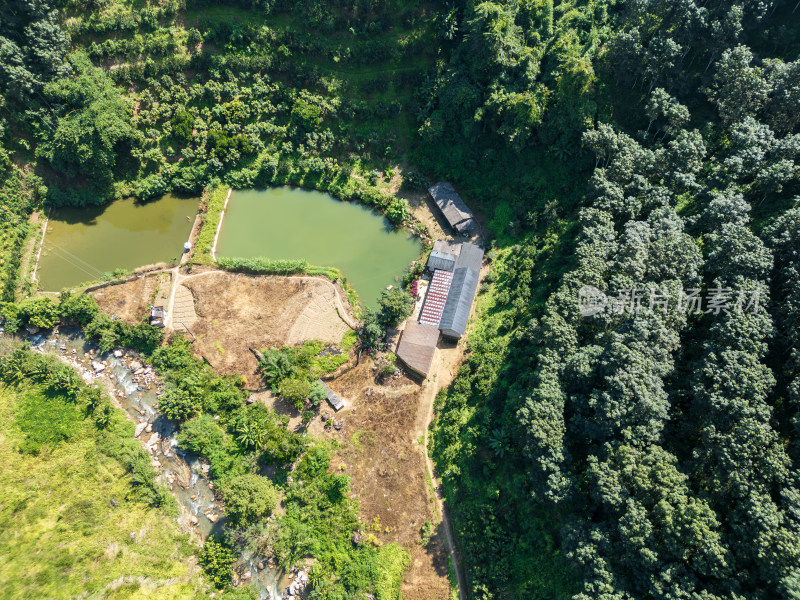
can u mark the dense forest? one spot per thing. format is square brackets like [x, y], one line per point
[648, 149]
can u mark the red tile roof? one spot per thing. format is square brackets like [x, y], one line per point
[436, 297]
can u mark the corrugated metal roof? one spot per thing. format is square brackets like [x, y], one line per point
[447, 246]
[452, 206]
[417, 346]
[333, 399]
[470, 256]
[436, 298]
[441, 260]
[453, 321]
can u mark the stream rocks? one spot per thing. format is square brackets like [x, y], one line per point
[298, 585]
[135, 388]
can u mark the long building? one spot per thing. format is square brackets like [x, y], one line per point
[447, 305]
[453, 208]
[462, 291]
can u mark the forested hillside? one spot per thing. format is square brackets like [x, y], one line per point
[648, 450]
[649, 149]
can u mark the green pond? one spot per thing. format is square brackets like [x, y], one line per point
[291, 223]
[83, 244]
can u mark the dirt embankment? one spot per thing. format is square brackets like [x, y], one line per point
[129, 301]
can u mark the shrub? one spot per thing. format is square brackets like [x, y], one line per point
[263, 266]
[182, 125]
[397, 211]
[217, 560]
[38, 312]
[372, 334]
[201, 435]
[248, 499]
[395, 305]
[277, 365]
[317, 393]
[10, 314]
[178, 404]
[305, 116]
[77, 309]
[296, 391]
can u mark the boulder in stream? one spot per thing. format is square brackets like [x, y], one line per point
[135, 365]
[98, 366]
[183, 476]
[139, 429]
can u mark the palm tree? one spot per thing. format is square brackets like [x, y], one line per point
[250, 436]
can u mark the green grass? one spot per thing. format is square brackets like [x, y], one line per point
[215, 201]
[348, 340]
[60, 535]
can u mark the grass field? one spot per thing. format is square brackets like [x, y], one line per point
[61, 536]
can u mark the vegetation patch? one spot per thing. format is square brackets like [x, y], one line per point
[214, 201]
[74, 510]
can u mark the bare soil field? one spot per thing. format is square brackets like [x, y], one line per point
[231, 313]
[129, 301]
[386, 467]
[237, 312]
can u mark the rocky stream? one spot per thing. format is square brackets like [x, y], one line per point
[135, 388]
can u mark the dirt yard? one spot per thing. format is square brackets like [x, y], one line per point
[238, 312]
[131, 301]
[228, 313]
[386, 466]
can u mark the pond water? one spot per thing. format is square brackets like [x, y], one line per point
[82, 244]
[290, 223]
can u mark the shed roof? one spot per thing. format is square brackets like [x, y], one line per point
[447, 246]
[333, 399]
[456, 311]
[470, 256]
[417, 346]
[441, 260]
[452, 206]
[436, 297]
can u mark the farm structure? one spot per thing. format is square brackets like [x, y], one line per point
[447, 304]
[452, 207]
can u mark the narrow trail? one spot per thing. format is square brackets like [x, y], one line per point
[447, 363]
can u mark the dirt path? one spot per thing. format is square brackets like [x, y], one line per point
[446, 365]
[33, 248]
